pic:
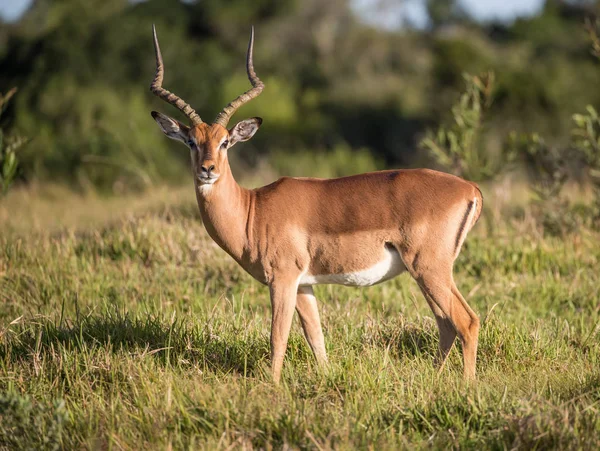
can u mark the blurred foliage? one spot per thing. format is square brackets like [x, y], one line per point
[339, 162]
[593, 29]
[586, 140]
[551, 167]
[547, 166]
[332, 81]
[549, 170]
[586, 136]
[9, 163]
[460, 147]
[444, 12]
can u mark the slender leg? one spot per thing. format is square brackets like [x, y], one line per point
[446, 329]
[470, 339]
[447, 298]
[283, 300]
[306, 306]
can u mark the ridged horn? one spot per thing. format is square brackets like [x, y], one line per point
[257, 86]
[167, 96]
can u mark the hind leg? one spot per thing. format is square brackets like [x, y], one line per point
[451, 309]
[446, 330]
[306, 306]
[468, 333]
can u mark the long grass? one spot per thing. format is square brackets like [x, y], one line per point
[123, 326]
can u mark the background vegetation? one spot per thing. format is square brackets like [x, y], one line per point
[335, 84]
[123, 326]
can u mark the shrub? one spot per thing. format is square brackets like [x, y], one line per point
[459, 147]
[586, 140]
[548, 172]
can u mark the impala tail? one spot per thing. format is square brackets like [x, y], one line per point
[470, 218]
[479, 204]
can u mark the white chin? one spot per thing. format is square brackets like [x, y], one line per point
[207, 181]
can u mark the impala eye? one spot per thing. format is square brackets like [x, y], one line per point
[225, 144]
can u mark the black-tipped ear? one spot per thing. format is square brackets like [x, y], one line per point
[171, 127]
[244, 130]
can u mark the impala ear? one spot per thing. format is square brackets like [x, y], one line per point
[171, 127]
[244, 130]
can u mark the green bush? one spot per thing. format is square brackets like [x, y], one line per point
[586, 140]
[546, 164]
[460, 147]
[94, 136]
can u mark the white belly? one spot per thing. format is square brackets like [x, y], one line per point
[390, 266]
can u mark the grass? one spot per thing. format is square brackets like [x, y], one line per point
[123, 326]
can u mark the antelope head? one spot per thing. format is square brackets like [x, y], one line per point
[208, 143]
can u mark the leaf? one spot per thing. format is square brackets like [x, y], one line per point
[579, 120]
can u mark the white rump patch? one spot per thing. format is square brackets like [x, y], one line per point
[387, 268]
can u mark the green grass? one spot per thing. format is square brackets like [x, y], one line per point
[123, 326]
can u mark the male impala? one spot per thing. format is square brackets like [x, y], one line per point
[356, 231]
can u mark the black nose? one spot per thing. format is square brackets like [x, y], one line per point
[207, 170]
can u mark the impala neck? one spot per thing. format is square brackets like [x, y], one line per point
[224, 207]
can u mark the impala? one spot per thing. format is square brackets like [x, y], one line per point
[354, 231]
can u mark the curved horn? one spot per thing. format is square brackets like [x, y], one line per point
[167, 96]
[257, 87]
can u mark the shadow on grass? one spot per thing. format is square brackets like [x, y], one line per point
[227, 350]
[406, 340]
[218, 348]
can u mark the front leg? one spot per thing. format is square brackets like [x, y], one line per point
[283, 301]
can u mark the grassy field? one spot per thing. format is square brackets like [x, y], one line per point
[123, 326]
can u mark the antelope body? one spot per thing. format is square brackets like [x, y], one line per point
[357, 231]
